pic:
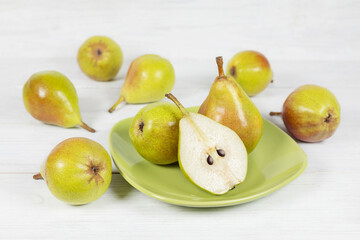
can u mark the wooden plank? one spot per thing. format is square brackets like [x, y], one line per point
[316, 205]
[284, 30]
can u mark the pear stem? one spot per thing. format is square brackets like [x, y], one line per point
[86, 127]
[178, 104]
[219, 62]
[121, 99]
[38, 176]
[275, 113]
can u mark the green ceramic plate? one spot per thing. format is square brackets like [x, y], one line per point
[276, 161]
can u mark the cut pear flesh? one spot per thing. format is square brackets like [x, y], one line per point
[211, 155]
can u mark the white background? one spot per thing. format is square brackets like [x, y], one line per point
[305, 41]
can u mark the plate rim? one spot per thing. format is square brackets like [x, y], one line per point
[208, 204]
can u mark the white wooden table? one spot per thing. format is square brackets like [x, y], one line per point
[306, 42]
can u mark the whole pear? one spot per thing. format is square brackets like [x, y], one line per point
[148, 79]
[100, 58]
[155, 132]
[77, 171]
[251, 70]
[50, 97]
[311, 113]
[229, 105]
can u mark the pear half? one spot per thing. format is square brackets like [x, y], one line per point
[211, 155]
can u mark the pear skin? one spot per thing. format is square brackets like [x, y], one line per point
[311, 113]
[100, 58]
[251, 70]
[77, 171]
[50, 97]
[228, 104]
[148, 79]
[154, 132]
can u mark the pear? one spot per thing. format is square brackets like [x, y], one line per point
[211, 155]
[77, 171]
[155, 132]
[251, 70]
[147, 80]
[229, 105]
[311, 113]
[50, 97]
[100, 58]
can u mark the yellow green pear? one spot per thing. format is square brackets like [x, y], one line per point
[50, 97]
[229, 105]
[251, 70]
[100, 58]
[311, 113]
[155, 132]
[77, 171]
[148, 79]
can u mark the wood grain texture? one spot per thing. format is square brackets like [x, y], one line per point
[295, 211]
[306, 42]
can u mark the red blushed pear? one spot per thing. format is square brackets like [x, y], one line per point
[148, 79]
[310, 113]
[251, 70]
[50, 97]
[228, 104]
[77, 171]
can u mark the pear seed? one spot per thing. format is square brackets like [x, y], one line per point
[221, 152]
[210, 160]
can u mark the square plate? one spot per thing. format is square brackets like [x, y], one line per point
[276, 161]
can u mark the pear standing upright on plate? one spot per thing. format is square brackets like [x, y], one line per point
[310, 113]
[147, 80]
[228, 104]
[211, 155]
[50, 97]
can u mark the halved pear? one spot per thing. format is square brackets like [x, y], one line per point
[210, 155]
